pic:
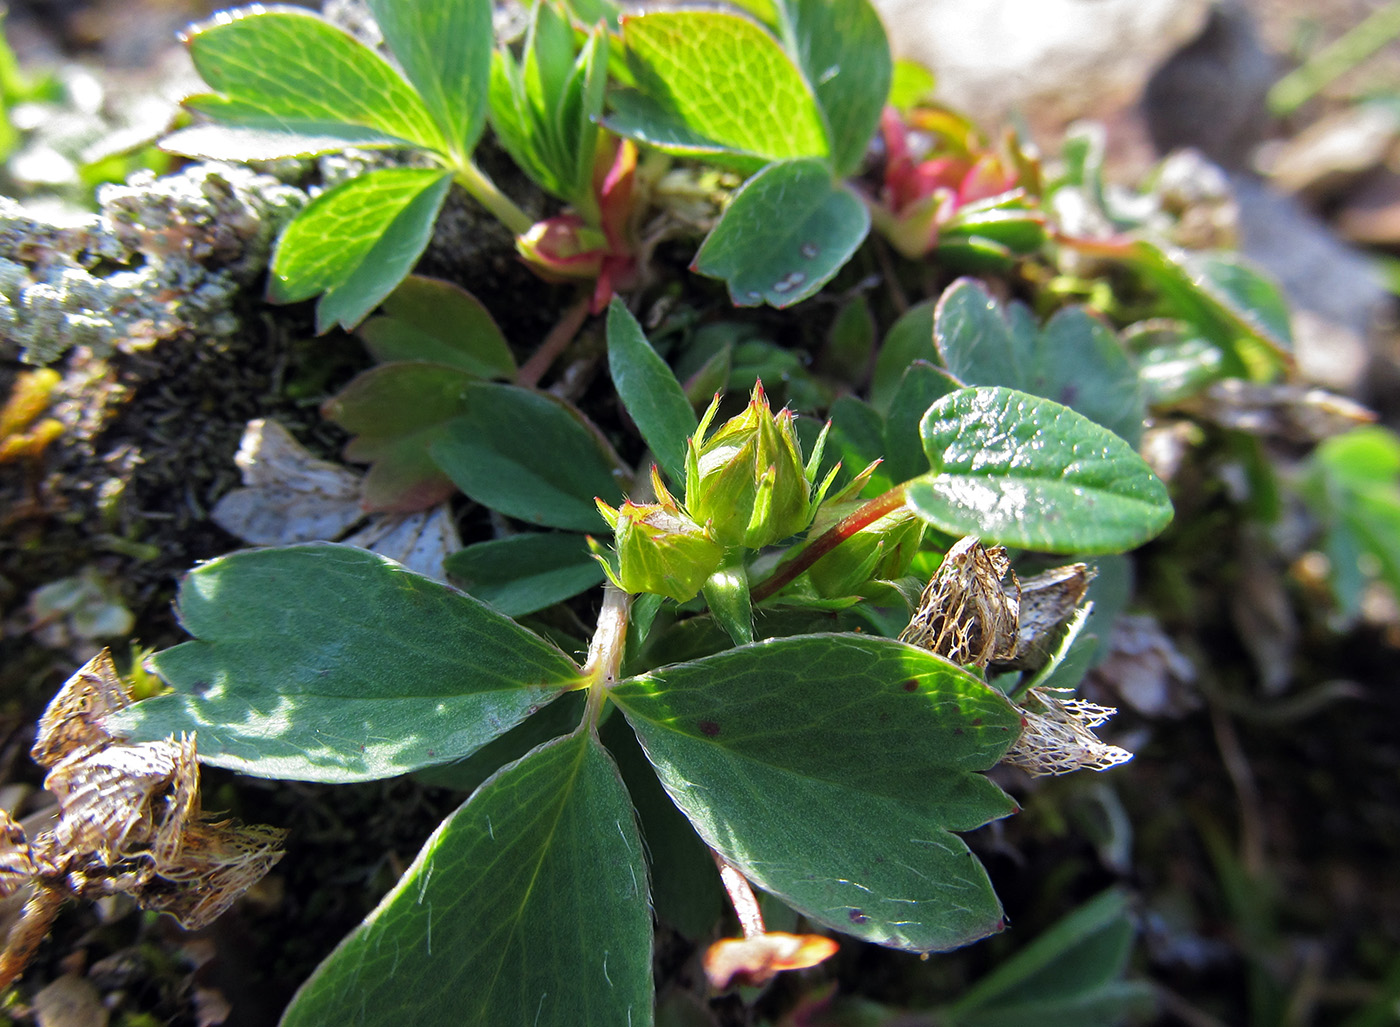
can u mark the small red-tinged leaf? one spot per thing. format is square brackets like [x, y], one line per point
[396, 411]
[749, 962]
[439, 322]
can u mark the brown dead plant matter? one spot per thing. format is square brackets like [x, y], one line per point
[970, 615]
[129, 821]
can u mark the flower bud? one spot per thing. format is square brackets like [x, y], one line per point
[659, 549]
[881, 551]
[747, 483]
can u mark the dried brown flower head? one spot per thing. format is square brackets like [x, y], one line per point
[129, 821]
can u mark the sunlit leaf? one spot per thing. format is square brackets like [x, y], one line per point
[784, 235]
[327, 663]
[445, 52]
[716, 84]
[1028, 472]
[292, 84]
[528, 905]
[355, 243]
[832, 769]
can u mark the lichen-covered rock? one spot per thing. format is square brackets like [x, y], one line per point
[162, 255]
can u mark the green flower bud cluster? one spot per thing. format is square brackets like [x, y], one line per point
[746, 487]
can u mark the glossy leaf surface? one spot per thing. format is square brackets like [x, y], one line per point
[1075, 359]
[832, 769]
[784, 235]
[528, 905]
[1028, 472]
[328, 663]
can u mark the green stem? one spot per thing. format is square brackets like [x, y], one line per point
[475, 182]
[880, 506]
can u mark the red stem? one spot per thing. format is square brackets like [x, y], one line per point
[867, 515]
[554, 343]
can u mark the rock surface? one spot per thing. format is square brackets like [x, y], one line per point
[1052, 59]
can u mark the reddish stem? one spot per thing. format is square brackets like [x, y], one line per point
[741, 897]
[554, 343]
[867, 515]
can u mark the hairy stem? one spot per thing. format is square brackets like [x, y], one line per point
[867, 515]
[605, 650]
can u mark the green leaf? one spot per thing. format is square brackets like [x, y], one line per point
[445, 52]
[530, 456]
[1030, 473]
[1075, 359]
[923, 384]
[546, 111]
[329, 663]
[978, 342]
[685, 885]
[528, 905]
[1070, 975]
[718, 85]
[843, 50]
[525, 573]
[909, 339]
[831, 770]
[649, 390]
[1080, 363]
[785, 233]
[356, 242]
[394, 412]
[1232, 304]
[294, 85]
[1352, 483]
[561, 717]
[439, 322]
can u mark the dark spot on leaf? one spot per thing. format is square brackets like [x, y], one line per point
[957, 730]
[199, 687]
[976, 721]
[857, 917]
[1001, 925]
[709, 728]
[431, 753]
[911, 685]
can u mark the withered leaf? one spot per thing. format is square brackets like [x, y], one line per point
[72, 724]
[128, 820]
[1048, 601]
[755, 960]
